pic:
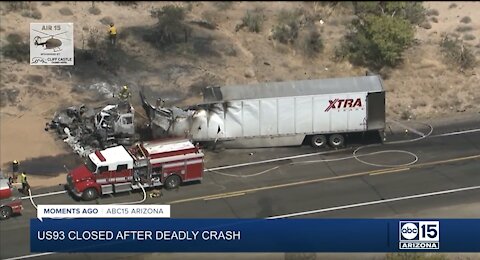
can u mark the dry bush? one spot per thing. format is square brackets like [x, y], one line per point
[223, 5]
[288, 26]
[432, 12]
[94, 10]
[469, 37]
[210, 17]
[253, 20]
[311, 43]
[32, 13]
[65, 11]
[457, 53]
[434, 19]
[453, 5]
[107, 20]
[47, 3]
[464, 28]
[17, 6]
[16, 48]
[466, 19]
[426, 25]
[127, 3]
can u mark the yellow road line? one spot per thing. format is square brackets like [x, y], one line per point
[374, 172]
[391, 171]
[226, 196]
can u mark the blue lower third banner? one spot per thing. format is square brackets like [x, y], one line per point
[254, 235]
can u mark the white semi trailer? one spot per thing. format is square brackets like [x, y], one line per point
[321, 112]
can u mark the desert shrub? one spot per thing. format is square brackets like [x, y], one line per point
[223, 5]
[127, 3]
[469, 37]
[210, 17]
[457, 53]
[106, 20]
[47, 3]
[453, 5]
[464, 28]
[415, 256]
[411, 11]
[16, 49]
[32, 13]
[378, 41]
[434, 19]
[170, 25]
[17, 6]
[426, 25]
[312, 43]
[94, 10]
[288, 26]
[253, 20]
[65, 11]
[432, 12]
[466, 19]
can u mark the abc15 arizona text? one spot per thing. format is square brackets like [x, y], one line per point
[419, 234]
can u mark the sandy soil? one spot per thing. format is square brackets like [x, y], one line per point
[423, 87]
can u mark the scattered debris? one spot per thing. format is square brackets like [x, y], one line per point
[84, 129]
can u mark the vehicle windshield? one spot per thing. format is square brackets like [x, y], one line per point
[91, 166]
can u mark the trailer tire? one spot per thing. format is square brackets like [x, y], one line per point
[318, 141]
[5, 212]
[90, 194]
[336, 140]
[172, 182]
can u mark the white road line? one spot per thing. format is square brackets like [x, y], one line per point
[457, 133]
[31, 256]
[275, 160]
[375, 202]
[44, 194]
[413, 130]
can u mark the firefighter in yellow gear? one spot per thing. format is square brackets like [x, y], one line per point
[23, 179]
[113, 34]
[124, 93]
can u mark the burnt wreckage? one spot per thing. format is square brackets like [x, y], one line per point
[86, 129]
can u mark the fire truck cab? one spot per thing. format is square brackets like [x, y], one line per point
[165, 163]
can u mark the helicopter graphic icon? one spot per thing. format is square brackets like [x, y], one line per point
[52, 43]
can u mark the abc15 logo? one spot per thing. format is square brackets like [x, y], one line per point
[419, 230]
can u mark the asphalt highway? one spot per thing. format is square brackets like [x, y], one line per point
[328, 185]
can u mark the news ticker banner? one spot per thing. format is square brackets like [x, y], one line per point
[254, 235]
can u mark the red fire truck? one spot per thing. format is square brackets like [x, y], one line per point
[10, 202]
[150, 164]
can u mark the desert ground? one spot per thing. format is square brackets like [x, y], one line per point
[423, 87]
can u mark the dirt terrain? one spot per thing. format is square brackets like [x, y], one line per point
[422, 87]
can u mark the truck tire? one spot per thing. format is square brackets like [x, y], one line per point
[172, 182]
[5, 212]
[90, 194]
[337, 140]
[318, 141]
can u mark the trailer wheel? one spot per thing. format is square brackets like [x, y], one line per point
[172, 182]
[318, 141]
[90, 194]
[337, 140]
[5, 212]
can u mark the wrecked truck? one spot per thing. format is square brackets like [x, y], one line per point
[86, 129]
[319, 112]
